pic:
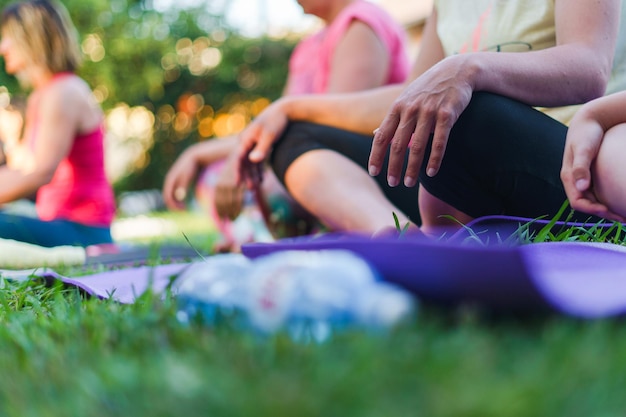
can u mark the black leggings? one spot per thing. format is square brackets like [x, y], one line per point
[503, 157]
[300, 137]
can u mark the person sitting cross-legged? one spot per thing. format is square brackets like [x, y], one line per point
[480, 125]
[360, 47]
[61, 154]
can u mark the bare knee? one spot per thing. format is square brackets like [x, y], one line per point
[609, 172]
[304, 169]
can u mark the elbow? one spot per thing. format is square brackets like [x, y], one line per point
[587, 71]
[588, 88]
[595, 80]
[595, 88]
[47, 178]
[43, 176]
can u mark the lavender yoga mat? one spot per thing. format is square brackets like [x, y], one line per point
[579, 279]
[122, 285]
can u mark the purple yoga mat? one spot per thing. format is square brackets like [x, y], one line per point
[580, 279]
[586, 280]
[122, 285]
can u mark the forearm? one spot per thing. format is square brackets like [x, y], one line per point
[574, 71]
[607, 111]
[360, 112]
[16, 185]
[211, 151]
[564, 75]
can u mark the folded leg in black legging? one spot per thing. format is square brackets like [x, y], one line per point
[300, 138]
[503, 157]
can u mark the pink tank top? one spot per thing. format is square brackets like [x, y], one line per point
[310, 62]
[79, 190]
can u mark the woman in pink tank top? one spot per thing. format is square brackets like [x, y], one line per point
[360, 47]
[60, 156]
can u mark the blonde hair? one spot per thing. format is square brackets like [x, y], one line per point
[45, 32]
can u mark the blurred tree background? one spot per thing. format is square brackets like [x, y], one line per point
[167, 77]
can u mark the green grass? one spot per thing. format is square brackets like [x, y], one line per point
[560, 228]
[63, 355]
[598, 231]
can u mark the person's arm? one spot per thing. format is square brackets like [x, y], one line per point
[360, 60]
[11, 123]
[185, 169]
[586, 133]
[577, 69]
[58, 118]
[210, 151]
[360, 112]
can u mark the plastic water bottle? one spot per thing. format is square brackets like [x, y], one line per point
[309, 294]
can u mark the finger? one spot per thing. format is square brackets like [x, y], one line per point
[582, 157]
[566, 177]
[445, 121]
[588, 202]
[380, 143]
[180, 194]
[566, 165]
[247, 140]
[417, 147]
[264, 142]
[398, 148]
[242, 163]
[592, 207]
[581, 176]
[169, 195]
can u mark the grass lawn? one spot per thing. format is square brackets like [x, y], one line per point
[62, 355]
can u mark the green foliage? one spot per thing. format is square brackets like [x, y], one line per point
[141, 56]
[250, 70]
[124, 30]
